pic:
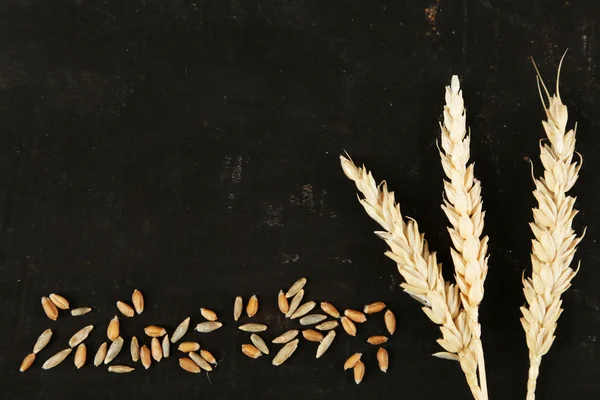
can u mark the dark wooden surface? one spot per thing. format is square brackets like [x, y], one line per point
[189, 149]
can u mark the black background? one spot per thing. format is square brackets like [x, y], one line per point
[190, 149]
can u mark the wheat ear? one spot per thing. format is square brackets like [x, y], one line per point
[463, 207]
[555, 242]
[420, 270]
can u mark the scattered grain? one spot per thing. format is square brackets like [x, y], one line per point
[325, 344]
[155, 331]
[42, 341]
[100, 354]
[348, 326]
[206, 327]
[125, 309]
[181, 330]
[253, 327]
[138, 301]
[355, 316]
[382, 359]
[286, 337]
[303, 309]
[374, 307]
[209, 315]
[296, 287]
[285, 352]
[312, 335]
[80, 356]
[114, 350]
[112, 332]
[49, 308]
[186, 347]
[57, 358]
[27, 362]
[80, 336]
[330, 309]
[59, 301]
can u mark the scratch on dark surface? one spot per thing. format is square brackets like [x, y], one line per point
[273, 217]
[231, 175]
[288, 258]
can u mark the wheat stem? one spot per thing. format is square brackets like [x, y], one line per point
[420, 270]
[555, 242]
[463, 207]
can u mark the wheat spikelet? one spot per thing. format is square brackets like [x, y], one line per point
[463, 207]
[419, 268]
[555, 242]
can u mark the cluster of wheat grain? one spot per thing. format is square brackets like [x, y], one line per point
[455, 307]
[555, 241]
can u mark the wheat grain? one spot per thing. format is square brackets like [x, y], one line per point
[238, 306]
[285, 352]
[251, 351]
[209, 315]
[77, 312]
[312, 319]
[286, 337]
[282, 302]
[348, 326]
[390, 321]
[253, 327]
[383, 359]
[330, 309]
[100, 354]
[296, 287]
[377, 339]
[80, 336]
[555, 242]
[114, 350]
[181, 330]
[155, 331]
[252, 307]
[57, 358]
[359, 372]
[50, 309]
[80, 356]
[259, 343]
[125, 309]
[312, 335]
[42, 341]
[325, 344]
[295, 303]
[166, 346]
[156, 349]
[463, 207]
[208, 357]
[207, 327]
[134, 349]
[59, 301]
[327, 325]
[355, 316]
[138, 301]
[27, 362]
[419, 267]
[186, 347]
[112, 332]
[303, 309]
[120, 369]
[201, 362]
[189, 366]
[374, 307]
[145, 357]
[352, 360]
